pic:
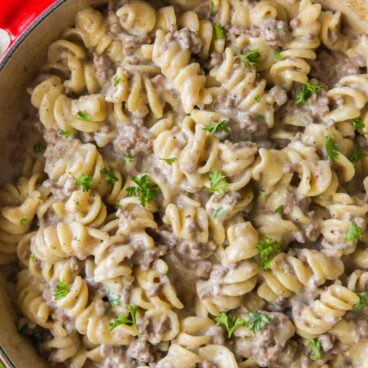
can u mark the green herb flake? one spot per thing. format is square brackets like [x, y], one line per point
[130, 320]
[24, 220]
[357, 123]
[218, 182]
[258, 99]
[356, 156]
[257, 321]
[306, 92]
[315, 346]
[363, 300]
[267, 249]
[219, 126]
[279, 209]
[212, 8]
[216, 214]
[230, 322]
[113, 298]
[277, 54]
[61, 290]
[65, 133]
[128, 158]
[251, 57]
[84, 181]
[145, 190]
[169, 161]
[84, 116]
[331, 148]
[354, 233]
[32, 258]
[38, 148]
[116, 80]
[219, 32]
[109, 176]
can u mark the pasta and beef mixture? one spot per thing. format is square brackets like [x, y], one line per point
[197, 195]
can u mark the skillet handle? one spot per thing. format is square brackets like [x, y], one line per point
[16, 16]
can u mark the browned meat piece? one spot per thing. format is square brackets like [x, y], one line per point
[276, 32]
[140, 350]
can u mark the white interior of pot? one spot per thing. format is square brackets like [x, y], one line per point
[21, 66]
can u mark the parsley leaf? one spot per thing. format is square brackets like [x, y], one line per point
[82, 115]
[212, 8]
[230, 322]
[130, 320]
[219, 31]
[258, 99]
[277, 54]
[219, 126]
[331, 148]
[84, 181]
[39, 147]
[169, 161]
[250, 57]
[267, 249]
[356, 156]
[279, 209]
[116, 80]
[109, 176]
[24, 220]
[306, 92]
[257, 321]
[354, 233]
[218, 182]
[217, 212]
[113, 298]
[128, 158]
[357, 123]
[61, 290]
[316, 347]
[363, 300]
[65, 133]
[145, 189]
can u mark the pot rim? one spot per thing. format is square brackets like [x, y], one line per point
[23, 36]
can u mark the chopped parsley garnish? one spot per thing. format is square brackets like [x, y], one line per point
[218, 182]
[354, 233]
[330, 148]
[65, 133]
[230, 322]
[145, 189]
[315, 346]
[257, 321]
[84, 181]
[219, 126]
[267, 249]
[39, 147]
[217, 212]
[363, 300]
[24, 220]
[356, 156]
[128, 158]
[212, 8]
[258, 99]
[130, 319]
[250, 57]
[116, 80]
[72, 332]
[109, 176]
[33, 258]
[61, 290]
[279, 209]
[82, 115]
[277, 54]
[169, 161]
[218, 31]
[113, 298]
[357, 123]
[306, 92]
